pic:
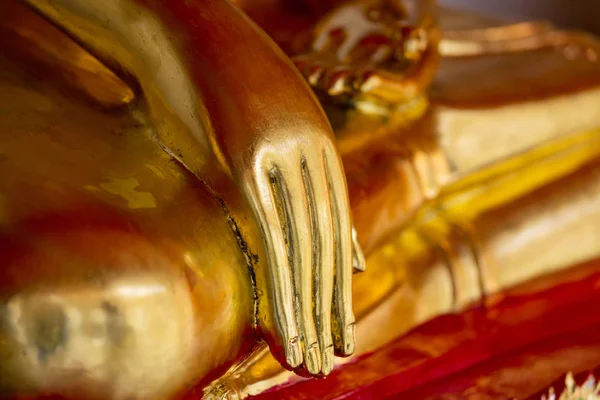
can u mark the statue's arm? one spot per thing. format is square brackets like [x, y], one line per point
[214, 86]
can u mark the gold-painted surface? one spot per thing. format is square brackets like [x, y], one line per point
[468, 246]
[385, 51]
[101, 297]
[464, 155]
[519, 108]
[41, 47]
[120, 261]
[264, 130]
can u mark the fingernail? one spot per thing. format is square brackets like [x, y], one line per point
[327, 360]
[294, 353]
[313, 360]
[349, 340]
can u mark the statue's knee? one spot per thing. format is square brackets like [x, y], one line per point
[92, 309]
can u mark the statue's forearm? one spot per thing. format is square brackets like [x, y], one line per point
[201, 71]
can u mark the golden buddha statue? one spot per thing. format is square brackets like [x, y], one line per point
[173, 194]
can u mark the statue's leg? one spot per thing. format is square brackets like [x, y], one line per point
[120, 276]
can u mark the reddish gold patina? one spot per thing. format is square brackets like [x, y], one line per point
[138, 258]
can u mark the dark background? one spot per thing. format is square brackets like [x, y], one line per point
[578, 14]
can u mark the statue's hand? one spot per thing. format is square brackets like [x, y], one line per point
[216, 88]
[297, 189]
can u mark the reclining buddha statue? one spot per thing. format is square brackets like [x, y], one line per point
[187, 187]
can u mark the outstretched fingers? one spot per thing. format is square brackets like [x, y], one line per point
[302, 207]
[265, 205]
[344, 323]
[291, 190]
[315, 181]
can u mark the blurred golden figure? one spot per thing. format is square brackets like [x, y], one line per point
[172, 193]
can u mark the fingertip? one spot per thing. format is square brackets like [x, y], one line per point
[327, 360]
[313, 359]
[294, 353]
[349, 340]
